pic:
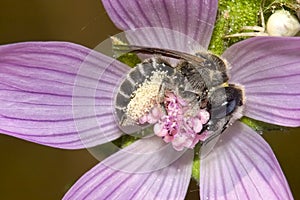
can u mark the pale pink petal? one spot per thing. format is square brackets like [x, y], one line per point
[192, 18]
[269, 69]
[43, 86]
[242, 166]
[106, 182]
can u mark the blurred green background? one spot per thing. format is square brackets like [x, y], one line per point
[31, 171]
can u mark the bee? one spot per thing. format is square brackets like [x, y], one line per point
[202, 78]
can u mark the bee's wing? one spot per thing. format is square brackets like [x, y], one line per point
[164, 52]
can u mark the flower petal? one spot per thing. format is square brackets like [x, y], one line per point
[106, 182]
[269, 69]
[193, 18]
[242, 166]
[36, 94]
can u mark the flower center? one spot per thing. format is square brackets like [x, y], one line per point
[186, 104]
[174, 122]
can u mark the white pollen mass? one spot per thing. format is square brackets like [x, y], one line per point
[146, 96]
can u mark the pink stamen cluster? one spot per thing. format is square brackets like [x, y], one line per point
[169, 124]
[174, 122]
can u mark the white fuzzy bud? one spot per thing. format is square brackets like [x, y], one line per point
[282, 23]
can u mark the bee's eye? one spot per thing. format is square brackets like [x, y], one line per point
[224, 101]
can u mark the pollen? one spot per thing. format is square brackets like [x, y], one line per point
[146, 96]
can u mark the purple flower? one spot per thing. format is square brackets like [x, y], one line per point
[46, 98]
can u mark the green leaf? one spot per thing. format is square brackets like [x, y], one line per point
[261, 126]
[124, 141]
[196, 164]
[130, 59]
[232, 16]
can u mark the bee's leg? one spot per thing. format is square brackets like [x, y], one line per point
[166, 84]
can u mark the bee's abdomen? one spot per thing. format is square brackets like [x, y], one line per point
[134, 79]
